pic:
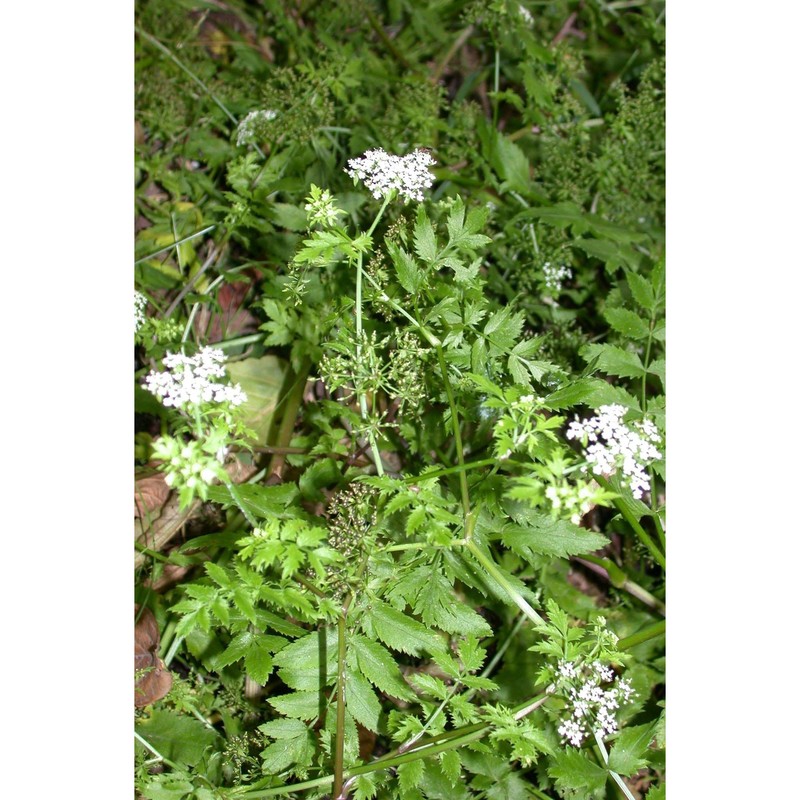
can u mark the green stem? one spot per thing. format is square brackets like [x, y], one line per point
[651, 632]
[451, 401]
[338, 763]
[629, 517]
[612, 573]
[487, 563]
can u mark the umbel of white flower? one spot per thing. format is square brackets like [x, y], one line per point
[192, 380]
[381, 172]
[616, 446]
[591, 707]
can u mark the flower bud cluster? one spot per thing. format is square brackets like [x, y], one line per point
[381, 172]
[592, 708]
[192, 380]
[615, 446]
[321, 208]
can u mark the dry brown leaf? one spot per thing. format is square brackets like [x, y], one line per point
[153, 679]
[149, 496]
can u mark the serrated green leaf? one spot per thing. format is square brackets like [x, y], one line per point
[378, 666]
[573, 770]
[424, 237]
[641, 290]
[283, 728]
[361, 700]
[614, 360]
[320, 475]
[451, 766]
[310, 662]
[366, 786]
[283, 754]
[612, 254]
[298, 705]
[410, 774]
[626, 756]
[539, 533]
[628, 323]
[288, 216]
[511, 164]
[657, 792]
[408, 272]
[399, 631]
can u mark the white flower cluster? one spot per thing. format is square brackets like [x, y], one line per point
[248, 127]
[526, 15]
[592, 707]
[139, 305]
[191, 379]
[553, 276]
[616, 446]
[381, 172]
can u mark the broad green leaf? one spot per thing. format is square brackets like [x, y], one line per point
[613, 360]
[657, 792]
[283, 728]
[261, 379]
[537, 533]
[511, 164]
[361, 700]
[573, 770]
[264, 502]
[180, 738]
[168, 786]
[378, 666]
[288, 216]
[628, 323]
[630, 747]
[612, 254]
[399, 631]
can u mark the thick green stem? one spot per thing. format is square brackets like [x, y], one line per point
[650, 632]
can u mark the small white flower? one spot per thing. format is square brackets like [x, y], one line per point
[572, 732]
[526, 15]
[139, 305]
[381, 172]
[191, 380]
[553, 276]
[250, 125]
[617, 446]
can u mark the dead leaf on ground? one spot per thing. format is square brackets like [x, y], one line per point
[149, 496]
[153, 679]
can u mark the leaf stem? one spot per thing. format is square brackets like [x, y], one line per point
[629, 517]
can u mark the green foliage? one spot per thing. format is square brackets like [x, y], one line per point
[390, 551]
